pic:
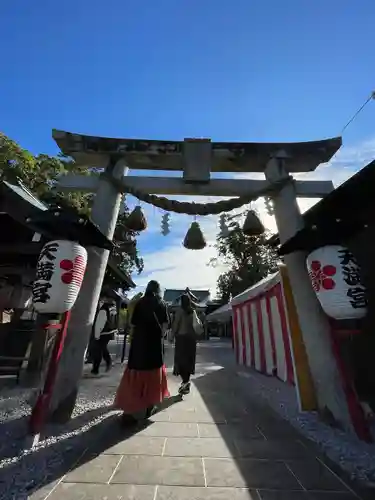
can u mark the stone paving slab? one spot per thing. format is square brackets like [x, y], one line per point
[231, 431]
[213, 445]
[200, 447]
[314, 475]
[79, 491]
[303, 495]
[178, 493]
[138, 445]
[99, 469]
[170, 429]
[249, 473]
[275, 450]
[141, 469]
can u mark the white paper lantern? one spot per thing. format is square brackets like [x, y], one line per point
[59, 274]
[335, 277]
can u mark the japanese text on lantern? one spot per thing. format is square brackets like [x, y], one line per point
[44, 272]
[350, 271]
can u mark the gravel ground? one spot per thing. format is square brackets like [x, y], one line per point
[23, 467]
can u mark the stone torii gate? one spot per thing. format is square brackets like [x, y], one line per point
[197, 159]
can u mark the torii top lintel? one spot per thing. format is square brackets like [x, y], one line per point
[169, 155]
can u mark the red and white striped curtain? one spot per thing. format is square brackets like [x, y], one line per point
[261, 334]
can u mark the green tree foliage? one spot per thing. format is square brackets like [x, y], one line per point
[248, 259]
[39, 174]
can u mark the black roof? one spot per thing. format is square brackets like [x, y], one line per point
[23, 214]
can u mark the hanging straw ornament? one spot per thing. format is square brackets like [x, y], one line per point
[252, 225]
[165, 230]
[136, 221]
[194, 239]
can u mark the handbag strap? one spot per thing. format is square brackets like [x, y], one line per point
[158, 323]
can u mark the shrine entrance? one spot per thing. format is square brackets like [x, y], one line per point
[197, 159]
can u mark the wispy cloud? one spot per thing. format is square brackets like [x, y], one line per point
[167, 261]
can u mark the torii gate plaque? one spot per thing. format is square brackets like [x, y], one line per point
[197, 159]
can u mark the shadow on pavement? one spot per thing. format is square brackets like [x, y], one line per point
[17, 430]
[56, 459]
[265, 452]
[269, 453]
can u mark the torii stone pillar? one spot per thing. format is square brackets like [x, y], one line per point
[104, 214]
[313, 322]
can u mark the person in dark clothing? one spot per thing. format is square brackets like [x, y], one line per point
[144, 383]
[184, 331]
[104, 329]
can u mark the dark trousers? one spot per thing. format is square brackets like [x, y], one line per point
[101, 352]
[185, 376]
[125, 334]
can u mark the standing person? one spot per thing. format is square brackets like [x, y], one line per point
[184, 330]
[105, 326]
[144, 382]
[131, 306]
[122, 327]
[123, 316]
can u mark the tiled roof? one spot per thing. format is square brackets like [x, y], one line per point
[171, 296]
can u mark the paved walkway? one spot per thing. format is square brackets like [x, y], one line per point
[216, 444]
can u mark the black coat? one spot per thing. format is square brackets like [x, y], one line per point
[146, 349]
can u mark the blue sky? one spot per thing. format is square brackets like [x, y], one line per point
[260, 70]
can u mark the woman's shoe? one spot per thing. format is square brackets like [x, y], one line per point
[150, 411]
[184, 388]
[187, 388]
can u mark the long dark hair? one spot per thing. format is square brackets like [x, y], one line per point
[186, 304]
[153, 289]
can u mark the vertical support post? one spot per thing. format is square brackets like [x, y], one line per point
[314, 324]
[40, 409]
[104, 214]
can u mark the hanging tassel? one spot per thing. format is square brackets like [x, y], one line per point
[194, 239]
[136, 221]
[252, 225]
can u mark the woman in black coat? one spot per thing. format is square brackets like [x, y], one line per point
[144, 383]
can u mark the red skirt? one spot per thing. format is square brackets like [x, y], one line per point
[141, 389]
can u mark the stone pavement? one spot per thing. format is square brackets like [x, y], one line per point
[216, 444]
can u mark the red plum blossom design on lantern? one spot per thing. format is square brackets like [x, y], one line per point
[74, 270]
[321, 276]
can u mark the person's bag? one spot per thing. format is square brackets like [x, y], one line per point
[197, 325]
[111, 324]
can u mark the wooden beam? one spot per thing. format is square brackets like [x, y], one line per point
[21, 248]
[176, 186]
